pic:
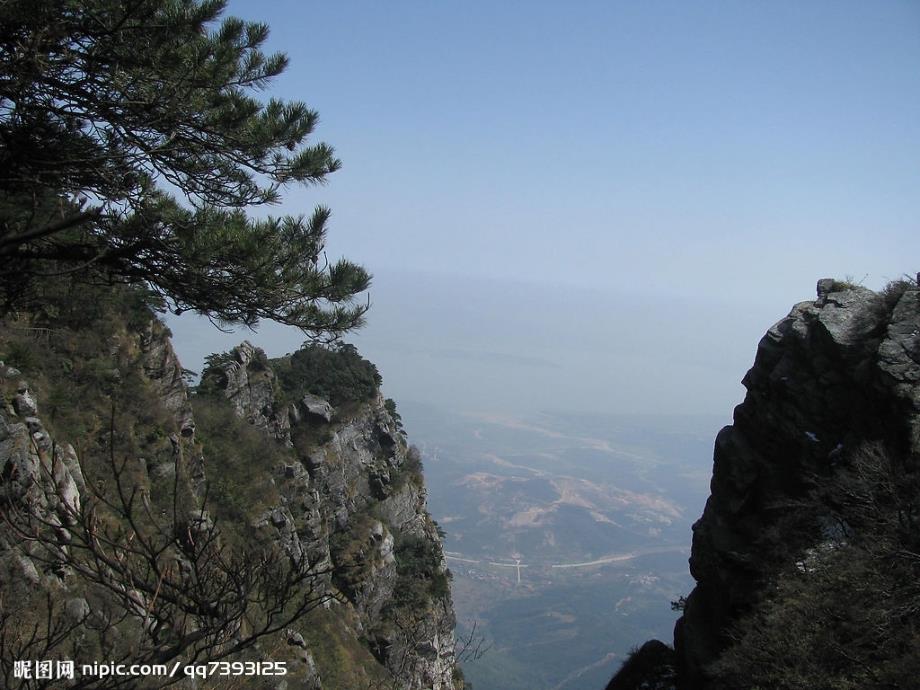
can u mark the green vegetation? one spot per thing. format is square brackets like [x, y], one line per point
[84, 367]
[87, 357]
[842, 615]
[390, 405]
[336, 373]
[343, 660]
[352, 550]
[848, 283]
[133, 143]
[82, 361]
[410, 472]
[137, 536]
[890, 296]
[420, 577]
[650, 666]
[133, 148]
[239, 463]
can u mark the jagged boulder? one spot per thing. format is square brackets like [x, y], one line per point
[838, 375]
[36, 472]
[23, 403]
[317, 407]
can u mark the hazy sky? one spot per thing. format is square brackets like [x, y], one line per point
[622, 195]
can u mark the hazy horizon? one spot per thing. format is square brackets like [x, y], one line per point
[602, 205]
[517, 348]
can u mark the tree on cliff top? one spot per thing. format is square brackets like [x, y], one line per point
[132, 144]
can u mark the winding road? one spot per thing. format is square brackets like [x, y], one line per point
[613, 558]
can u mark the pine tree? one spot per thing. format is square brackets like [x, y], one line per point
[133, 148]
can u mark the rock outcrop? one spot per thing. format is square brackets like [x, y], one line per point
[249, 384]
[348, 501]
[112, 424]
[36, 471]
[162, 368]
[836, 374]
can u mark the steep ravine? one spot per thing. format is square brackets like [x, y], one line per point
[837, 376]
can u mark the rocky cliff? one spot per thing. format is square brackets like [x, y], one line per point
[813, 498]
[352, 499]
[252, 522]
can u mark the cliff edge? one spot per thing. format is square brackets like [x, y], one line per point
[803, 541]
[265, 529]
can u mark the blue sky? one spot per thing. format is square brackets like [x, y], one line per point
[719, 156]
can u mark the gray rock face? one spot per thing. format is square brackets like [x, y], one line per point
[316, 406]
[351, 473]
[162, 367]
[357, 470]
[249, 384]
[24, 404]
[77, 609]
[333, 485]
[21, 461]
[899, 353]
[835, 373]
[40, 477]
[825, 287]
[284, 523]
[43, 475]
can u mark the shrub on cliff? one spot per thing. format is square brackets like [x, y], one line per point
[241, 487]
[418, 566]
[338, 374]
[843, 615]
[131, 144]
[649, 667]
